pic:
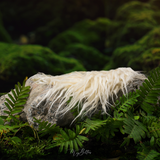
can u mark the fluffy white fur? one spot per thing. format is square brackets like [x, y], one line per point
[87, 90]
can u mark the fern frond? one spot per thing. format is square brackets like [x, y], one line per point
[147, 153]
[93, 124]
[149, 91]
[134, 128]
[126, 102]
[69, 140]
[108, 130]
[16, 101]
[154, 129]
[45, 128]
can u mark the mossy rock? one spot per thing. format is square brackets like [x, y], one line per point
[17, 62]
[134, 19]
[123, 56]
[4, 36]
[65, 38]
[87, 32]
[136, 11]
[149, 60]
[90, 57]
[128, 33]
[142, 55]
[152, 39]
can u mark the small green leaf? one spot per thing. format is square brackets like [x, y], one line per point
[16, 111]
[10, 96]
[14, 94]
[4, 117]
[1, 121]
[13, 118]
[7, 105]
[17, 90]
[19, 85]
[66, 146]
[22, 96]
[61, 147]
[6, 112]
[20, 103]
[16, 140]
[71, 146]
[136, 117]
[75, 145]
[19, 107]
[71, 134]
[64, 134]
[79, 142]
[152, 141]
[9, 102]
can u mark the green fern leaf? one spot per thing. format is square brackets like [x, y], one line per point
[147, 155]
[64, 134]
[71, 134]
[68, 139]
[17, 89]
[16, 102]
[93, 124]
[66, 145]
[79, 142]
[11, 97]
[126, 102]
[149, 91]
[75, 145]
[134, 128]
[7, 105]
[14, 94]
[9, 102]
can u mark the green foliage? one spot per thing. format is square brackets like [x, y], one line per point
[83, 53]
[93, 124]
[147, 153]
[45, 128]
[69, 139]
[134, 117]
[150, 91]
[36, 58]
[15, 102]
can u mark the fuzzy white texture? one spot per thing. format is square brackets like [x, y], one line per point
[88, 90]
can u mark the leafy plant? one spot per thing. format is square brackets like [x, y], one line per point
[70, 139]
[134, 117]
[15, 102]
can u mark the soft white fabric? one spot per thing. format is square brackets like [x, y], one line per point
[87, 90]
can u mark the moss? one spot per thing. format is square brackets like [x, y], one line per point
[136, 11]
[65, 38]
[87, 32]
[149, 59]
[16, 62]
[129, 33]
[123, 55]
[142, 55]
[90, 57]
[152, 39]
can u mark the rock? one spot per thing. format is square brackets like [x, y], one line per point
[39, 112]
[39, 106]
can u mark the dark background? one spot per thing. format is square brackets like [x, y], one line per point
[57, 37]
